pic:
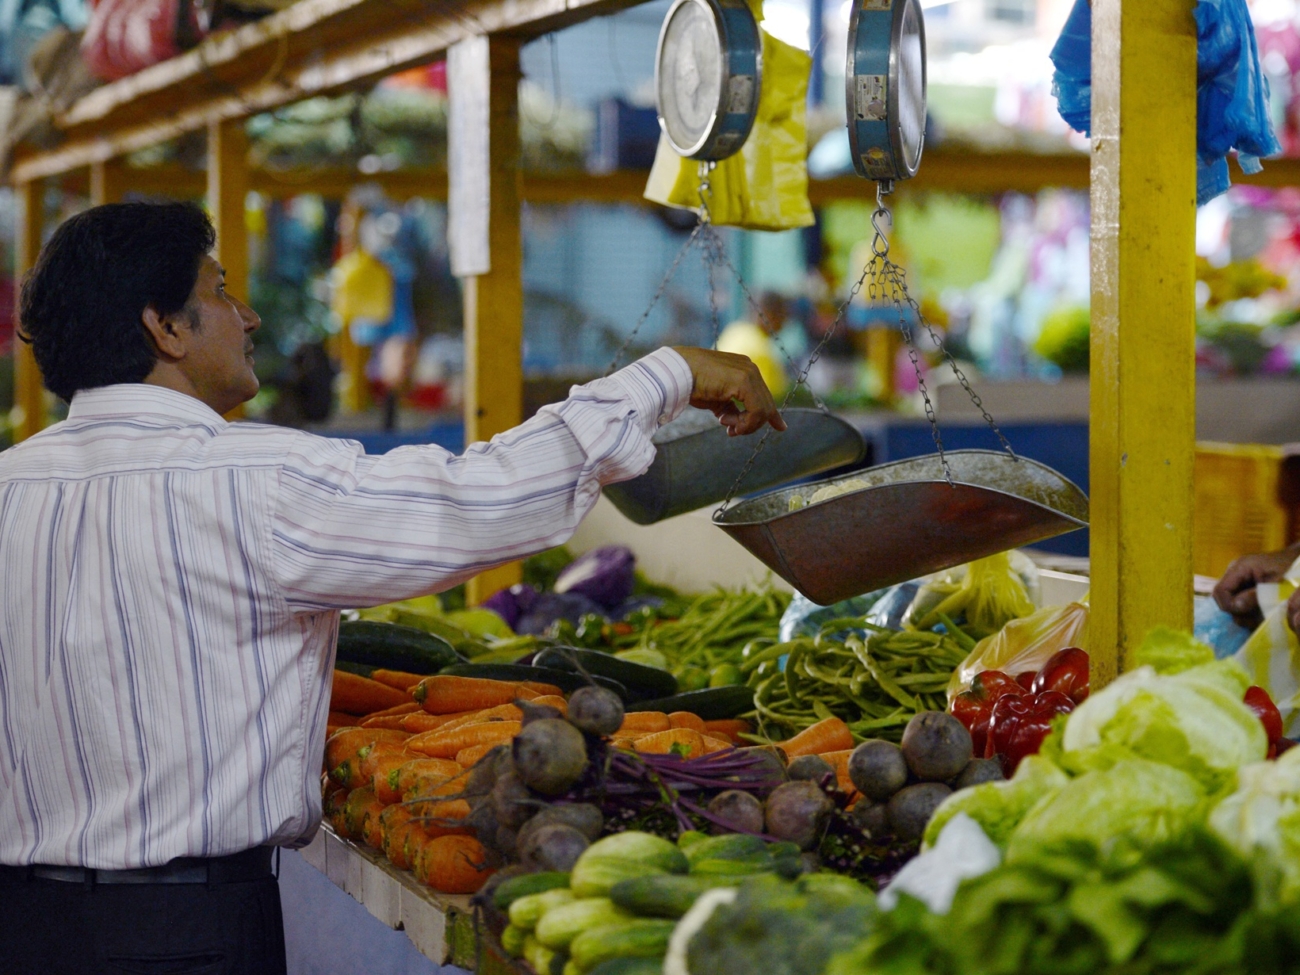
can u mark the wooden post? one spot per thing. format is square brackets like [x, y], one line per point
[485, 242]
[108, 182]
[1143, 319]
[29, 391]
[227, 191]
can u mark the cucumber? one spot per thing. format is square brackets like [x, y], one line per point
[512, 941]
[635, 939]
[729, 846]
[563, 679]
[629, 966]
[640, 680]
[710, 704]
[529, 883]
[394, 647]
[668, 896]
[560, 925]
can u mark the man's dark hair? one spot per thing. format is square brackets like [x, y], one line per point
[82, 303]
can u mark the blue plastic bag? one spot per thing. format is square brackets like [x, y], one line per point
[1231, 93]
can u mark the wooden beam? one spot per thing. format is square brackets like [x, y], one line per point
[314, 47]
[108, 181]
[486, 244]
[227, 189]
[29, 391]
[1143, 320]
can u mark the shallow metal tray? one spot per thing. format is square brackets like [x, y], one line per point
[696, 463]
[906, 523]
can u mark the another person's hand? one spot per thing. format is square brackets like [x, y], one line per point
[1235, 592]
[721, 380]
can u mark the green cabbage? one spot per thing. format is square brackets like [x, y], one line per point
[1000, 806]
[1137, 801]
[1194, 721]
[1169, 651]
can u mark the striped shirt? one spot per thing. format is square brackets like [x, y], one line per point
[171, 587]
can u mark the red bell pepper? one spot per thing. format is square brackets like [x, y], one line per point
[1065, 671]
[1026, 680]
[1020, 723]
[1270, 717]
[974, 708]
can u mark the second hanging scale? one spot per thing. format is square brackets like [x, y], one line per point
[838, 537]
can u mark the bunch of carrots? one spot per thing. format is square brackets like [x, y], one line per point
[394, 752]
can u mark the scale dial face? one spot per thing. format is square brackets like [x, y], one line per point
[707, 77]
[885, 80]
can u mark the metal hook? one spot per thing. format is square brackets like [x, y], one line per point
[880, 243]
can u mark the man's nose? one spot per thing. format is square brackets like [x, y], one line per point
[252, 321]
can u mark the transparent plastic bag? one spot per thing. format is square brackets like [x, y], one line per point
[803, 617]
[765, 185]
[985, 594]
[1272, 654]
[1025, 644]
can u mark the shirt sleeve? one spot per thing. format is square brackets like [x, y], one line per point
[353, 530]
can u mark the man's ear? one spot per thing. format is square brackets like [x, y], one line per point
[167, 337]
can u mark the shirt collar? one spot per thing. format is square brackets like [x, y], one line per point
[135, 399]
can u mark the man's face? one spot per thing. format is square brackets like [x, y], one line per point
[219, 362]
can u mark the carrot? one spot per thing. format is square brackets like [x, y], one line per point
[830, 735]
[556, 701]
[442, 818]
[469, 757]
[394, 821]
[400, 680]
[342, 719]
[625, 743]
[354, 811]
[403, 779]
[374, 754]
[712, 745]
[333, 807]
[380, 771]
[444, 693]
[640, 722]
[360, 695]
[454, 865]
[839, 760]
[686, 742]
[345, 743]
[370, 832]
[541, 689]
[397, 710]
[420, 722]
[503, 712]
[445, 744]
[730, 728]
[685, 719]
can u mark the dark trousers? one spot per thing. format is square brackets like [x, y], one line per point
[59, 928]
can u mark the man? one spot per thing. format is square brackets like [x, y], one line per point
[170, 587]
[1235, 592]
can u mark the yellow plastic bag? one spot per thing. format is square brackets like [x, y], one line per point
[1272, 654]
[765, 185]
[361, 288]
[1025, 644]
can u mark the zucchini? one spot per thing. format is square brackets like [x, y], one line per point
[640, 680]
[394, 647]
[563, 679]
[668, 896]
[361, 670]
[710, 704]
[647, 938]
[529, 883]
[629, 966]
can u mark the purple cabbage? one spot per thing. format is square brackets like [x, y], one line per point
[605, 575]
[552, 606]
[510, 604]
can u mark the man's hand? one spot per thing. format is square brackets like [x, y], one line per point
[721, 380]
[1235, 592]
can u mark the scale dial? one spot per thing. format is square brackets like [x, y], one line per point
[707, 77]
[885, 88]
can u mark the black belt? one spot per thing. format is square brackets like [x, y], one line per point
[254, 864]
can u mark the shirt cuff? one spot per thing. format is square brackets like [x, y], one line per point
[659, 387]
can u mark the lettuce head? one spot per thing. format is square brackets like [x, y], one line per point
[1261, 820]
[999, 807]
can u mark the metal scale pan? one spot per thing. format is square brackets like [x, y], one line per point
[908, 521]
[696, 463]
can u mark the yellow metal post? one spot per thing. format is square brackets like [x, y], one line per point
[1143, 320]
[107, 182]
[227, 192]
[487, 249]
[29, 392]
